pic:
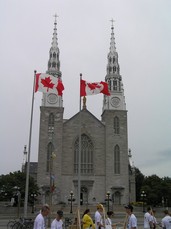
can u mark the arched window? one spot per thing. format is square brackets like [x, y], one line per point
[114, 69]
[51, 126]
[54, 55]
[116, 125]
[116, 160]
[109, 84]
[50, 149]
[51, 120]
[86, 155]
[53, 64]
[115, 85]
[119, 86]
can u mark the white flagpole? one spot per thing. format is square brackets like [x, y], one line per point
[29, 147]
[79, 152]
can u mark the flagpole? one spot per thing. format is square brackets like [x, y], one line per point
[29, 148]
[79, 153]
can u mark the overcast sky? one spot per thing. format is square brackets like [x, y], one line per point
[143, 42]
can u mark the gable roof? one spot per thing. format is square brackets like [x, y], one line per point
[82, 111]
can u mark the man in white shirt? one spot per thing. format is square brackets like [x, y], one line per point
[39, 222]
[98, 217]
[57, 223]
[132, 220]
[148, 219]
[166, 221]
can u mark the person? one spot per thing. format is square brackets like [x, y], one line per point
[154, 220]
[108, 219]
[39, 222]
[87, 221]
[75, 221]
[131, 219]
[98, 217]
[148, 219]
[57, 223]
[166, 221]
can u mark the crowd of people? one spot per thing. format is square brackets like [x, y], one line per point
[102, 220]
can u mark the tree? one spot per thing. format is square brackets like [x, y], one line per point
[13, 183]
[158, 190]
[139, 179]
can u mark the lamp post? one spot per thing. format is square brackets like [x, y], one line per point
[108, 199]
[71, 199]
[143, 195]
[33, 195]
[18, 195]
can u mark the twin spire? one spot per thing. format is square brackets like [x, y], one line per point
[113, 77]
[54, 63]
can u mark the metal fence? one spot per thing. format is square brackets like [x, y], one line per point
[21, 223]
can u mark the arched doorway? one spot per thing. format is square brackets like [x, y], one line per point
[117, 197]
[84, 195]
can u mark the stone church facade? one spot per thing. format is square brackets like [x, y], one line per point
[105, 161]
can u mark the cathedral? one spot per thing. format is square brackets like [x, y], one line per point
[104, 168]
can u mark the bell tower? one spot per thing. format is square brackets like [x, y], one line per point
[114, 116]
[51, 127]
[50, 99]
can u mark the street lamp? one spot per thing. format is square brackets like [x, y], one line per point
[33, 196]
[18, 195]
[71, 199]
[108, 199]
[71, 195]
[143, 195]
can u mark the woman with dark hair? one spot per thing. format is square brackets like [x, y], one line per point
[108, 219]
[87, 220]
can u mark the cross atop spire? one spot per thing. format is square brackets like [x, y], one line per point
[112, 27]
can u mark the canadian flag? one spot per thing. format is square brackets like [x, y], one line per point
[48, 83]
[87, 88]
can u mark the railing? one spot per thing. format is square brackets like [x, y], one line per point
[22, 223]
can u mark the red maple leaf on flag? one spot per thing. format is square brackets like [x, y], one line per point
[47, 82]
[93, 86]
